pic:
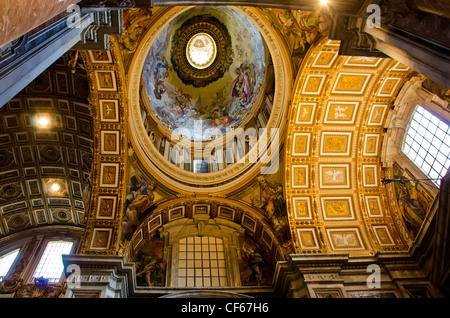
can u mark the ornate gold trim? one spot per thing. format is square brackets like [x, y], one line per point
[110, 115]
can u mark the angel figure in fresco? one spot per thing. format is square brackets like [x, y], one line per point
[242, 87]
[159, 74]
[166, 116]
[301, 26]
[272, 202]
[182, 101]
[134, 21]
[138, 199]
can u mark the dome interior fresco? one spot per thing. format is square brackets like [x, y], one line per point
[201, 103]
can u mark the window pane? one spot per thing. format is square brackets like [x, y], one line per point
[443, 126]
[419, 161]
[51, 266]
[414, 124]
[447, 163]
[435, 120]
[437, 142]
[426, 167]
[201, 268]
[408, 140]
[422, 152]
[441, 158]
[427, 144]
[440, 134]
[427, 114]
[406, 149]
[428, 136]
[433, 174]
[6, 262]
[444, 149]
[438, 167]
[421, 130]
[447, 139]
[432, 128]
[429, 159]
[433, 151]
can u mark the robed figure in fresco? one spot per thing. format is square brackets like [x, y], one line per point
[413, 202]
[255, 271]
[271, 201]
[412, 210]
[243, 85]
[138, 200]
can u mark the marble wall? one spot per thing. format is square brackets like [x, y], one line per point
[21, 16]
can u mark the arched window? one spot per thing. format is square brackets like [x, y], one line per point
[50, 265]
[6, 262]
[201, 262]
[427, 143]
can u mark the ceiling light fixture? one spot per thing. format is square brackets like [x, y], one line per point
[55, 187]
[43, 122]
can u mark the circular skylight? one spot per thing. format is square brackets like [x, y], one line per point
[201, 50]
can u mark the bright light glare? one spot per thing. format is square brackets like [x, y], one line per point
[55, 187]
[6, 261]
[43, 122]
[201, 50]
[324, 2]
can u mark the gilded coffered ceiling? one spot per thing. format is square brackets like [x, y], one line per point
[336, 201]
[46, 151]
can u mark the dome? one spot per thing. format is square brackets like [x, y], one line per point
[208, 92]
[204, 71]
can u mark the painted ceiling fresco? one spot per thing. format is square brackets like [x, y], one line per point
[203, 110]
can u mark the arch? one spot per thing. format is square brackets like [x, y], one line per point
[108, 106]
[245, 233]
[221, 211]
[412, 94]
[336, 201]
